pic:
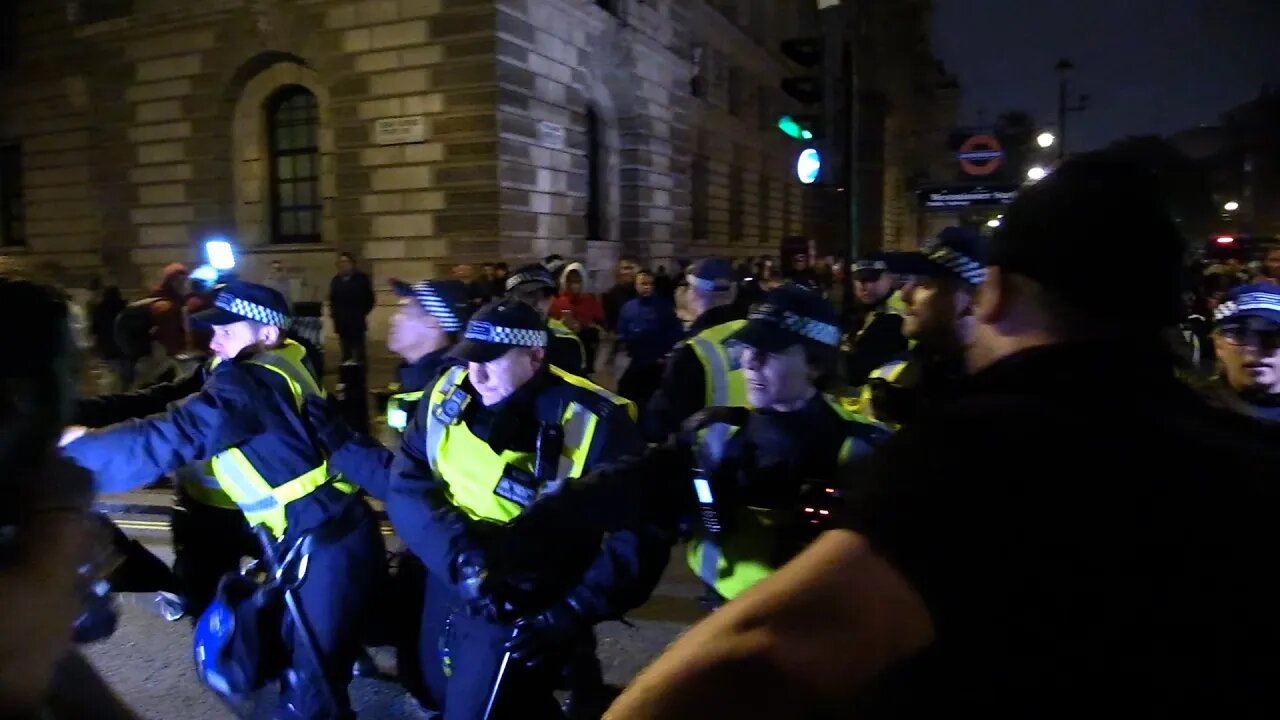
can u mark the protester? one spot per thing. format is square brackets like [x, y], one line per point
[350, 302]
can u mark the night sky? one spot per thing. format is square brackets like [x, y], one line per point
[1150, 66]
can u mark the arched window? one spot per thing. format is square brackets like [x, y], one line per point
[293, 123]
[595, 179]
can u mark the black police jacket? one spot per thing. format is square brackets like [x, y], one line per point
[929, 380]
[239, 403]
[684, 385]
[628, 563]
[788, 449]
[103, 410]
[874, 345]
[365, 461]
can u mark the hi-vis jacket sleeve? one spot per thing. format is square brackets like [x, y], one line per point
[127, 455]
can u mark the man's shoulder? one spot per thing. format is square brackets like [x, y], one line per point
[564, 388]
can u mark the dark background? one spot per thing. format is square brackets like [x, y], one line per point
[1150, 66]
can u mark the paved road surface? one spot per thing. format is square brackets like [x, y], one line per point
[148, 660]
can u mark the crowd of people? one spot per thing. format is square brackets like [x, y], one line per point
[971, 478]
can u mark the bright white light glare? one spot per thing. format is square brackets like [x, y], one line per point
[220, 254]
[993, 223]
[703, 489]
[1046, 139]
[205, 274]
[808, 165]
[1225, 240]
[1036, 173]
[1231, 206]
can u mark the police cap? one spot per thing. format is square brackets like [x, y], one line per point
[1257, 300]
[445, 300]
[956, 252]
[790, 315]
[238, 301]
[499, 327]
[712, 274]
[530, 277]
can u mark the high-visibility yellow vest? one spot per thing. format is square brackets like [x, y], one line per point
[890, 372]
[261, 502]
[725, 384]
[400, 408]
[748, 553]
[472, 471]
[559, 329]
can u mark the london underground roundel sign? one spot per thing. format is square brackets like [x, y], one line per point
[808, 165]
[980, 155]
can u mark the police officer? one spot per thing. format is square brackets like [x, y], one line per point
[876, 322]
[1246, 339]
[938, 294]
[490, 440]
[701, 372]
[427, 323]
[536, 286]
[247, 420]
[754, 485]
[430, 316]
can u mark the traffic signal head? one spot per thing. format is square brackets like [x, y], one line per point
[805, 52]
[800, 127]
[806, 89]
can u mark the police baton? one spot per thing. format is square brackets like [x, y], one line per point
[302, 630]
[497, 685]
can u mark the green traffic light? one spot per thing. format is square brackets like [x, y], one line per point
[791, 128]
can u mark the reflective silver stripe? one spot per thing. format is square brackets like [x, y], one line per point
[248, 496]
[575, 434]
[709, 564]
[889, 371]
[714, 440]
[719, 370]
[200, 473]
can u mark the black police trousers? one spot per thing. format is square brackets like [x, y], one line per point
[335, 598]
[473, 646]
[208, 542]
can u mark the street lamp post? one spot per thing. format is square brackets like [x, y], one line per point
[1064, 68]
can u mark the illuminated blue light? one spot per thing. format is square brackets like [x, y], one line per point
[808, 165]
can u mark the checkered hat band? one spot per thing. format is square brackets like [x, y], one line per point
[437, 307]
[706, 285]
[1259, 301]
[816, 330]
[499, 335]
[1224, 311]
[251, 311]
[969, 270]
[522, 278]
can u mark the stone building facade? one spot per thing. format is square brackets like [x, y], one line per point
[415, 134]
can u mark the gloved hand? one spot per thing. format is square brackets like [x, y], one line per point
[544, 638]
[472, 569]
[326, 421]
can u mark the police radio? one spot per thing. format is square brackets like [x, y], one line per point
[707, 509]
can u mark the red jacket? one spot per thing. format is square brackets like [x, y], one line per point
[585, 307]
